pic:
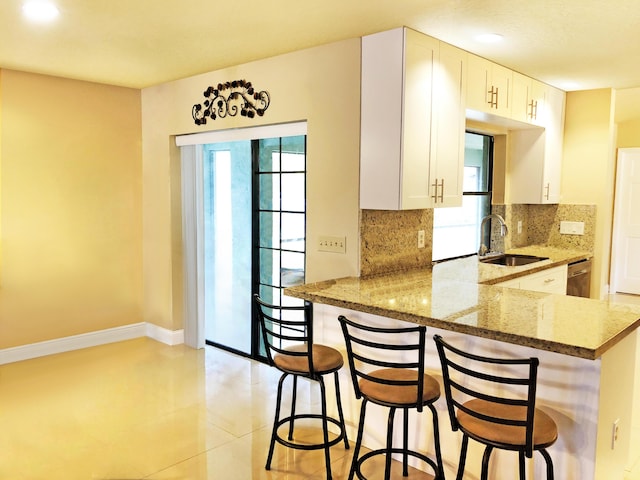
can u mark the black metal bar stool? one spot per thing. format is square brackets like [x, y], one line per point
[508, 420]
[398, 383]
[287, 332]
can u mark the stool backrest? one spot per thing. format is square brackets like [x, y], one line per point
[498, 380]
[372, 348]
[283, 327]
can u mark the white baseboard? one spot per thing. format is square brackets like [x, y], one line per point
[163, 335]
[91, 339]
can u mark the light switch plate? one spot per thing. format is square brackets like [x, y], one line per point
[328, 243]
[572, 228]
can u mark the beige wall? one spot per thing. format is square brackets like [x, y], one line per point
[70, 215]
[588, 169]
[629, 134]
[320, 85]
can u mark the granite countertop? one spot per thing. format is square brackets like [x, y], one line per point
[489, 274]
[458, 295]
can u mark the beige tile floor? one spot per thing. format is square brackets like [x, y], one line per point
[141, 409]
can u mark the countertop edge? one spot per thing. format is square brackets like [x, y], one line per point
[546, 345]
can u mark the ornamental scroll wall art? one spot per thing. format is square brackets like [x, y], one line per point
[240, 97]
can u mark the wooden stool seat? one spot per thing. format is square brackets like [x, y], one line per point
[545, 430]
[399, 394]
[325, 359]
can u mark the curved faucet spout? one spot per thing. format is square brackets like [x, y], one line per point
[484, 250]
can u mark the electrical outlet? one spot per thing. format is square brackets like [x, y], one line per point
[420, 238]
[327, 243]
[519, 226]
[615, 432]
[572, 228]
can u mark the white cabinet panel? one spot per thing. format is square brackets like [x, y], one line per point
[448, 126]
[552, 280]
[412, 122]
[488, 86]
[395, 143]
[536, 155]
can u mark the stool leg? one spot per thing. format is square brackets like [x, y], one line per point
[463, 456]
[325, 427]
[293, 405]
[436, 441]
[387, 463]
[485, 462]
[356, 450]
[405, 444]
[340, 413]
[521, 465]
[275, 422]
[547, 459]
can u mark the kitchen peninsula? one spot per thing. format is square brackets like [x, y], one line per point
[587, 350]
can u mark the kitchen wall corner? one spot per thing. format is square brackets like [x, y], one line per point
[389, 240]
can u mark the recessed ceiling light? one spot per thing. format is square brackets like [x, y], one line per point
[40, 10]
[489, 38]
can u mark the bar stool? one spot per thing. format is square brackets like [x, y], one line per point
[493, 401]
[287, 333]
[398, 383]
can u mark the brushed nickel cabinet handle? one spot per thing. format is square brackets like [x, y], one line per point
[435, 191]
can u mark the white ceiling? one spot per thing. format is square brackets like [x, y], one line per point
[572, 44]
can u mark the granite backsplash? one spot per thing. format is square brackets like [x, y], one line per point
[388, 239]
[541, 225]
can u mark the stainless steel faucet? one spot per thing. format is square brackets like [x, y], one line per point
[484, 250]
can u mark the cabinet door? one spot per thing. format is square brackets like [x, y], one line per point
[537, 103]
[448, 127]
[553, 119]
[478, 83]
[536, 155]
[520, 97]
[395, 137]
[553, 280]
[420, 51]
[501, 80]
[528, 100]
[488, 86]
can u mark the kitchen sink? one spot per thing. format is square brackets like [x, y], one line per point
[512, 260]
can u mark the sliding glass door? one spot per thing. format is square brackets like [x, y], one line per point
[254, 233]
[228, 244]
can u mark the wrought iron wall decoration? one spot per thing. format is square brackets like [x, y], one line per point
[242, 98]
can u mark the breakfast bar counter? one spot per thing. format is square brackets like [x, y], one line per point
[587, 351]
[456, 296]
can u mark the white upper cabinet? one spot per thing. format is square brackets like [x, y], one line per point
[409, 156]
[529, 100]
[448, 126]
[536, 155]
[488, 86]
[395, 120]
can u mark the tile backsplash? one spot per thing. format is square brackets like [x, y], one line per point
[388, 239]
[541, 225]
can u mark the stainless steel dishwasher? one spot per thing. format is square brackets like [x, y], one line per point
[579, 278]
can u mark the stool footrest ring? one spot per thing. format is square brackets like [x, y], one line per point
[383, 451]
[309, 446]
